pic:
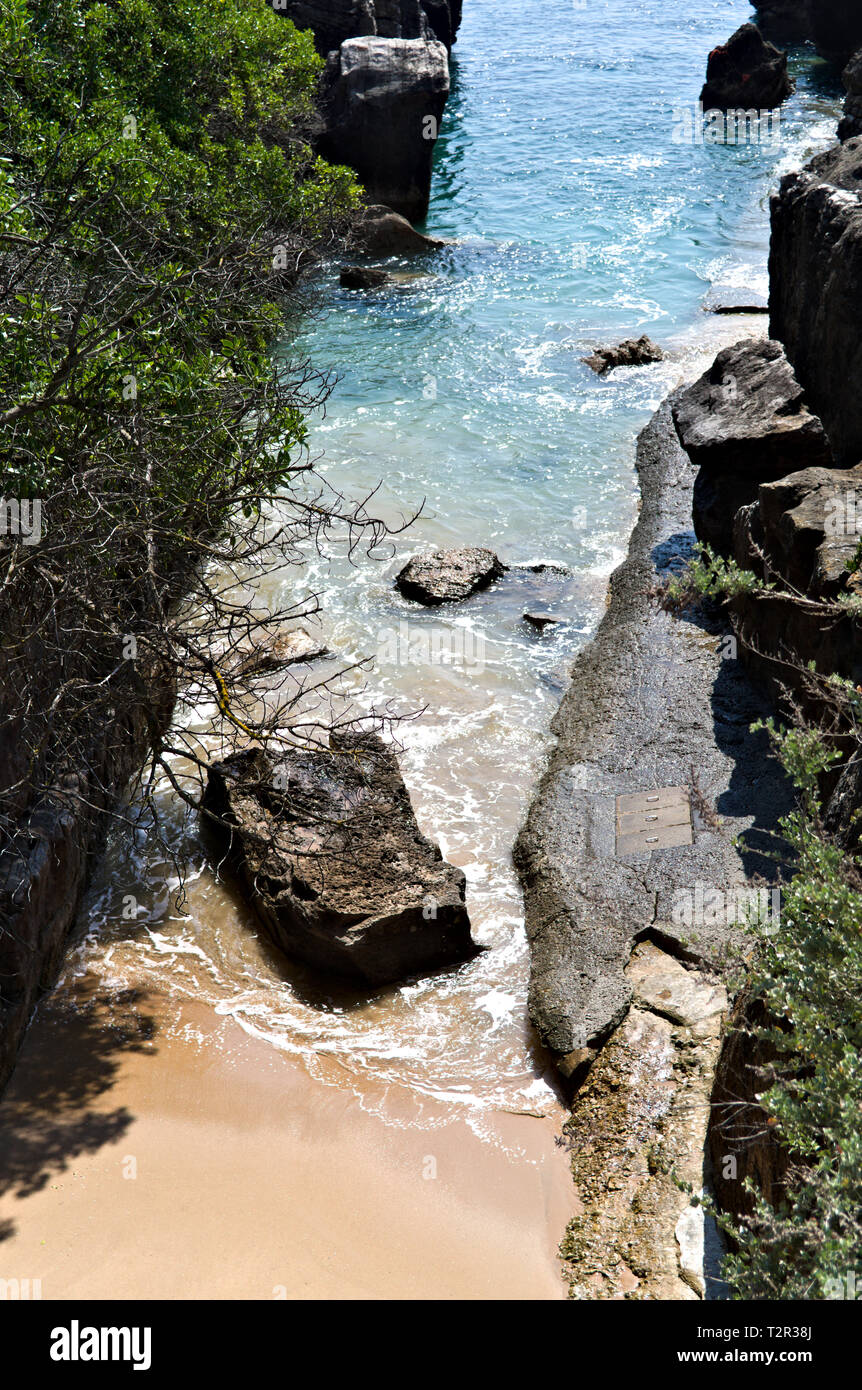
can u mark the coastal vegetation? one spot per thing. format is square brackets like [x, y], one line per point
[160, 202]
[802, 980]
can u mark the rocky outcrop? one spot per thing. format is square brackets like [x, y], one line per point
[805, 531]
[743, 423]
[386, 233]
[632, 352]
[381, 102]
[789, 19]
[448, 576]
[743, 1146]
[326, 845]
[333, 21]
[798, 538]
[747, 72]
[49, 840]
[624, 954]
[835, 26]
[816, 289]
[851, 125]
[638, 1131]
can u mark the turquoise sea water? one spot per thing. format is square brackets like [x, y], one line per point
[572, 219]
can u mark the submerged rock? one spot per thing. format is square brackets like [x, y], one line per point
[728, 300]
[382, 100]
[359, 277]
[632, 352]
[327, 847]
[746, 73]
[744, 422]
[448, 576]
[542, 620]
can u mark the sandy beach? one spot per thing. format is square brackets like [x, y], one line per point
[192, 1161]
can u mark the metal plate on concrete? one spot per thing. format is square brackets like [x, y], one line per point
[659, 819]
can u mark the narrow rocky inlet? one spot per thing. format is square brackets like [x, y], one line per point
[444, 996]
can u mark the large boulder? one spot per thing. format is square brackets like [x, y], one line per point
[851, 125]
[327, 847]
[815, 265]
[386, 233]
[746, 73]
[381, 102]
[743, 423]
[447, 576]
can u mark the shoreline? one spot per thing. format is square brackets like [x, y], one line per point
[253, 1181]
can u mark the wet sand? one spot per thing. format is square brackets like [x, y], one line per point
[156, 1154]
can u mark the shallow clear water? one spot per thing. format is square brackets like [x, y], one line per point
[574, 220]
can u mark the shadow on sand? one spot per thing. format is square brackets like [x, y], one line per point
[50, 1114]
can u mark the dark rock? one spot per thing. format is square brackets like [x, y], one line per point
[746, 73]
[542, 620]
[333, 21]
[835, 26]
[328, 849]
[805, 527]
[851, 125]
[381, 102]
[387, 233]
[843, 816]
[358, 277]
[790, 20]
[733, 301]
[448, 576]
[784, 539]
[444, 18]
[815, 267]
[632, 352]
[743, 423]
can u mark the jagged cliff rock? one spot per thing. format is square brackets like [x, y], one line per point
[795, 538]
[815, 267]
[835, 26]
[333, 21]
[744, 422]
[746, 72]
[851, 125]
[382, 101]
[48, 840]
